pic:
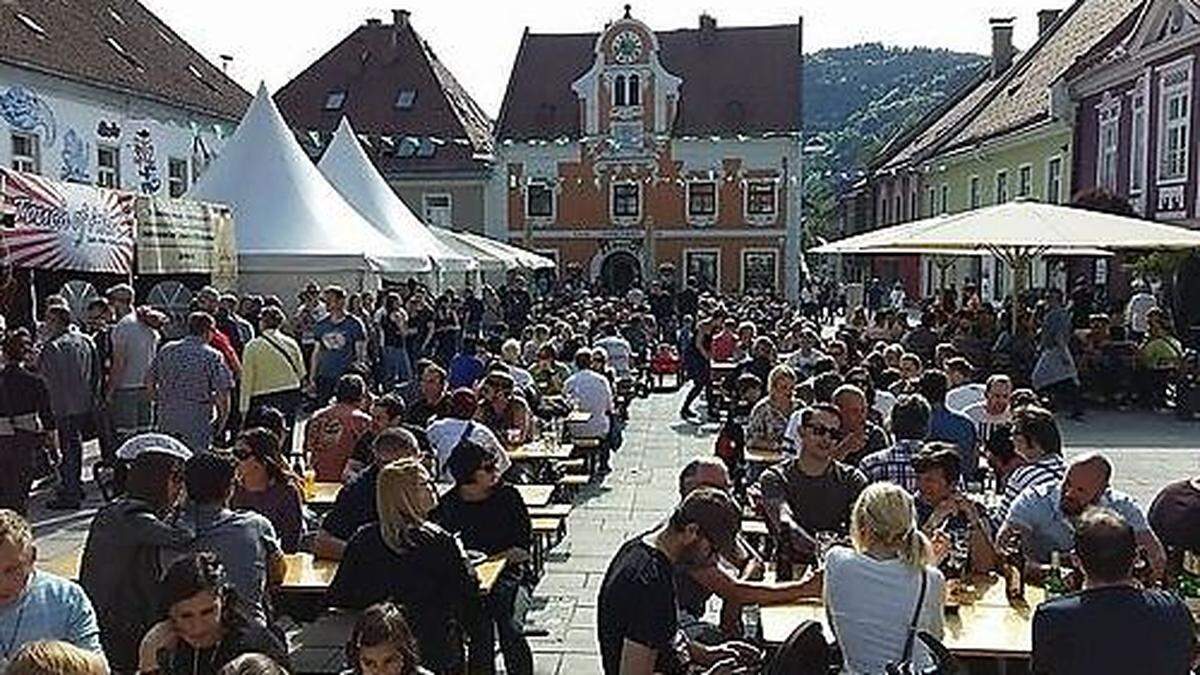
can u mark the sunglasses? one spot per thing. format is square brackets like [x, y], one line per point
[819, 430]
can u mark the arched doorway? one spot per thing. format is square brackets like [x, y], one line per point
[619, 272]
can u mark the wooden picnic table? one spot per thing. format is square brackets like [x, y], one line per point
[541, 451]
[535, 495]
[323, 495]
[305, 574]
[980, 622]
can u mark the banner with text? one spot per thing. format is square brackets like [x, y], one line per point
[66, 226]
[183, 237]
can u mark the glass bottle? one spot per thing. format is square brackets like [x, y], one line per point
[1054, 583]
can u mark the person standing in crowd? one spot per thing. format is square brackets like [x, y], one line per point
[341, 343]
[994, 410]
[910, 426]
[590, 391]
[243, 540]
[697, 364]
[637, 621]
[71, 371]
[273, 369]
[122, 556]
[949, 425]
[1055, 373]
[872, 589]
[1114, 625]
[26, 421]
[190, 385]
[203, 626]
[963, 392]
[447, 434]
[37, 605]
[809, 495]
[1137, 310]
[310, 312]
[333, 431]
[267, 486]
[393, 326]
[1037, 440]
[134, 344]
[489, 516]
[466, 368]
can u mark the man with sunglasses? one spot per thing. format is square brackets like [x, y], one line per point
[810, 493]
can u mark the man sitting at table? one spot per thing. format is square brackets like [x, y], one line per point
[591, 392]
[355, 504]
[637, 621]
[445, 434]
[860, 436]
[736, 580]
[1113, 626]
[910, 426]
[332, 432]
[503, 410]
[944, 513]
[1044, 517]
[38, 605]
[769, 416]
[810, 493]
[245, 541]
[431, 401]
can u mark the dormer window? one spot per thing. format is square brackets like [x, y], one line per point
[627, 91]
[334, 100]
[405, 99]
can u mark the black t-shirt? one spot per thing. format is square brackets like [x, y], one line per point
[1175, 517]
[421, 412]
[819, 503]
[492, 526]
[354, 506]
[248, 638]
[1115, 630]
[637, 603]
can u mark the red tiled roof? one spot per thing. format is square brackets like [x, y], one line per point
[740, 80]
[372, 66]
[117, 44]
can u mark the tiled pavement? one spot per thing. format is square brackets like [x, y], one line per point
[1148, 449]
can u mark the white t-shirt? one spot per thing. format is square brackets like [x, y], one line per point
[870, 603]
[445, 433]
[137, 343]
[619, 353]
[964, 396]
[590, 391]
[884, 402]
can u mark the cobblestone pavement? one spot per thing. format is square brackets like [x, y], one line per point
[1148, 450]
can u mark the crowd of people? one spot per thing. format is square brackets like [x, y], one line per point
[886, 453]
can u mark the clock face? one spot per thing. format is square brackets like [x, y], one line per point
[627, 47]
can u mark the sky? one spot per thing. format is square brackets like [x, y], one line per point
[274, 40]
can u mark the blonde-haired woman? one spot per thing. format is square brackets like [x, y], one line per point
[872, 591]
[406, 559]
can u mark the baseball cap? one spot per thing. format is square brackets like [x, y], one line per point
[718, 518]
[150, 442]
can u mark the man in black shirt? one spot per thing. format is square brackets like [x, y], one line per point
[636, 614]
[431, 402]
[1113, 626]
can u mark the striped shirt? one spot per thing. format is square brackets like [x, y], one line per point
[1049, 470]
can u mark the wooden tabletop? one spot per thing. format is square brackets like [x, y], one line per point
[540, 450]
[323, 495]
[983, 624]
[535, 495]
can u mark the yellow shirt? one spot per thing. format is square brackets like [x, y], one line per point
[266, 371]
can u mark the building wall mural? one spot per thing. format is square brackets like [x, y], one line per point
[149, 137]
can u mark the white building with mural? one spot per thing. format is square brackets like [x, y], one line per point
[105, 93]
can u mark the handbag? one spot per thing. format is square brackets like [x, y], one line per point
[943, 662]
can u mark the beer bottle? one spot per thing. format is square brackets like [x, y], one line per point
[1014, 571]
[1054, 583]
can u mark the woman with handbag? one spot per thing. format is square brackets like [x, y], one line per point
[884, 591]
[273, 369]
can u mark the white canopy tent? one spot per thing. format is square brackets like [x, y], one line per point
[348, 169]
[492, 268]
[524, 258]
[292, 226]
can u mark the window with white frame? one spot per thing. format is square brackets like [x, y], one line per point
[760, 198]
[1024, 181]
[1108, 130]
[108, 166]
[704, 267]
[177, 177]
[1054, 180]
[974, 192]
[438, 209]
[539, 200]
[334, 100]
[759, 271]
[945, 205]
[626, 200]
[1174, 119]
[25, 155]
[702, 198]
[1137, 142]
[1001, 187]
[627, 90]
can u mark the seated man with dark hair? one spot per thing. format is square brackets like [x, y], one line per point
[245, 541]
[948, 516]
[1113, 626]
[333, 431]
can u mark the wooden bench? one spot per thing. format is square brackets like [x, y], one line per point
[587, 447]
[550, 511]
[547, 531]
[578, 465]
[571, 483]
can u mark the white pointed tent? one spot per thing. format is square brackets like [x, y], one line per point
[292, 226]
[492, 266]
[524, 258]
[348, 169]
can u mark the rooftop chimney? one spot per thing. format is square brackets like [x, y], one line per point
[1002, 46]
[708, 22]
[1046, 19]
[400, 18]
